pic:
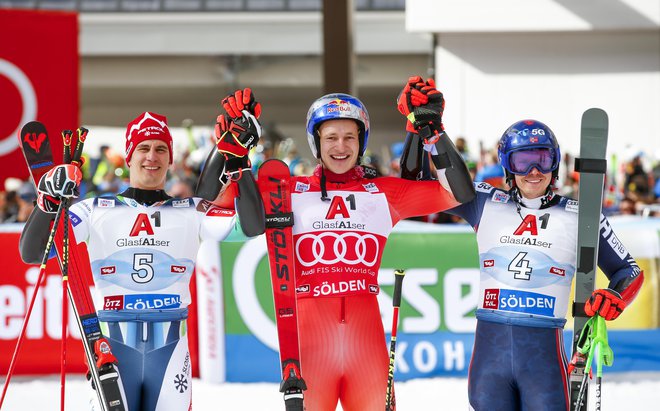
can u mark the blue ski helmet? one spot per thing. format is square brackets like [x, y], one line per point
[527, 135]
[336, 107]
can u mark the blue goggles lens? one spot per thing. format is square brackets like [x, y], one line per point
[522, 162]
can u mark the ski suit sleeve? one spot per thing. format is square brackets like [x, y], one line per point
[453, 173]
[217, 223]
[451, 168]
[471, 211]
[34, 237]
[617, 264]
[213, 178]
[415, 198]
[250, 206]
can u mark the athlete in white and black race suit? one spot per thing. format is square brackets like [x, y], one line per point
[142, 246]
[527, 257]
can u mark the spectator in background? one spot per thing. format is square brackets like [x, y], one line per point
[9, 202]
[627, 206]
[261, 153]
[396, 149]
[181, 188]
[26, 198]
[8, 206]
[491, 172]
[462, 147]
[636, 181]
[95, 162]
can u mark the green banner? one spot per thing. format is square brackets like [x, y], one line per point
[439, 293]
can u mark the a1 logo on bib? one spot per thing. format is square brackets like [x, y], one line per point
[530, 225]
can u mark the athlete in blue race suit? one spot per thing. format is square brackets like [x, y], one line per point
[527, 240]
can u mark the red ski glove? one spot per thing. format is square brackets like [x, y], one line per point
[234, 104]
[606, 302]
[423, 105]
[236, 137]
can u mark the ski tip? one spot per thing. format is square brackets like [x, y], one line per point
[595, 112]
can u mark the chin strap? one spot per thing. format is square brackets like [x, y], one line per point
[324, 191]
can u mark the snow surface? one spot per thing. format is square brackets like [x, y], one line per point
[639, 391]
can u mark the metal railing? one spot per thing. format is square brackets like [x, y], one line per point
[192, 5]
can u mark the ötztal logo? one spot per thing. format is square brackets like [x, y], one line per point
[332, 248]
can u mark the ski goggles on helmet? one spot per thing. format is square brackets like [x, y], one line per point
[521, 162]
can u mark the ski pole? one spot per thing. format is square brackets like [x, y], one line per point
[42, 272]
[70, 157]
[66, 137]
[390, 402]
[596, 340]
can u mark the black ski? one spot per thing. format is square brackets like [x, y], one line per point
[36, 148]
[274, 185]
[592, 166]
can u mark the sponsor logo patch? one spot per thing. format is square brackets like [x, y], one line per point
[301, 289]
[108, 270]
[179, 269]
[301, 187]
[220, 212]
[490, 298]
[558, 271]
[483, 187]
[371, 187]
[572, 206]
[151, 301]
[489, 263]
[519, 301]
[204, 206]
[106, 203]
[181, 203]
[75, 220]
[113, 302]
[373, 289]
[500, 197]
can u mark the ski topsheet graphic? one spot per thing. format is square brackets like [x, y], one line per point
[592, 167]
[36, 148]
[274, 185]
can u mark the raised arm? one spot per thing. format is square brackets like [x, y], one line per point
[236, 132]
[60, 182]
[422, 104]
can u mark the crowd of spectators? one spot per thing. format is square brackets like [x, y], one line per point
[632, 184]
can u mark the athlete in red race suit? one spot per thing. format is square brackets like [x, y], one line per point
[342, 220]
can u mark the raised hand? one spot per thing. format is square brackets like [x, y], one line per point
[422, 104]
[240, 100]
[235, 137]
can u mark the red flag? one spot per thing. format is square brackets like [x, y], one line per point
[38, 80]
